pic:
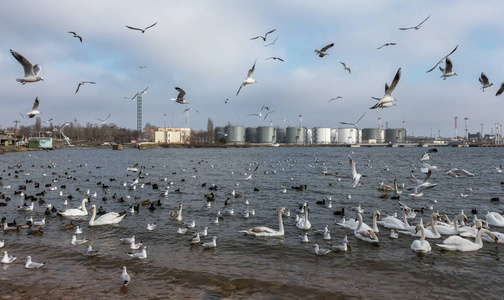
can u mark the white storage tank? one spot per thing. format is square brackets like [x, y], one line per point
[251, 135]
[236, 135]
[265, 134]
[321, 135]
[348, 136]
[334, 136]
[309, 136]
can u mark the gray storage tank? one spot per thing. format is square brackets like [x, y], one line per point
[280, 135]
[251, 135]
[395, 135]
[371, 134]
[295, 135]
[265, 134]
[236, 135]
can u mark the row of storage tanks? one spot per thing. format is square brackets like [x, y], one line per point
[302, 135]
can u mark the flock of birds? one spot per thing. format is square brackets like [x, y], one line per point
[458, 230]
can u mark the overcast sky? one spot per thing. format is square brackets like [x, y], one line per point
[204, 47]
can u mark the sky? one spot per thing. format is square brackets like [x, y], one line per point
[204, 47]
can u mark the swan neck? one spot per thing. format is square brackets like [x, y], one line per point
[359, 218]
[422, 238]
[433, 225]
[280, 222]
[84, 206]
[405, 219]
[94, 214]
[375, 226]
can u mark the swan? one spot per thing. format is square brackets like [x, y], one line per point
[266, 231]
[495, 219]
[421, 245]
[394, 223]
[176, 214]
[353, 223]
[108, 218]
[304, 223]
[450, 229]
[348, 224]
[430, 233]
[364, 234]
[74, 212]
[457, 243]
[385, 187]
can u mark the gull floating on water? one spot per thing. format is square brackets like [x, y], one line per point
[211, 244]
[322, 52]
[140, 255]
[387, 99]
[82, 83]
[415, 27]
[125, 278]
[139, 29]
[91, 252]
[34, 110]
[32, 265]
[6, 259]
[447, 71]
[30, 71]
[76, 241]
[265, 36]
[180, 97]
[320, 251]
[75, 35]
[248, 79]
[484, 81]
[151, 227]
[442, 59]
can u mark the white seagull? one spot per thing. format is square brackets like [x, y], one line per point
[151, 227]
[34, 110]
[321, 251]
[250, 176]
[322, 52]
[6, 259]
[447, 71]
[387, 99]
[76, 241]
[105, 120]
[30, 71]
[211, 244]
[442, 59]
[385, 45]
[82, 83]
[125, 278]
[346, 68]
[355, 176]
[263, 37]
[248, 79]
[139, 29]
[332, 99]
[91, 252]
[353, 124]
[140, 255]
[484, 81]
[180, 98]
[32, 265]
[415, 27]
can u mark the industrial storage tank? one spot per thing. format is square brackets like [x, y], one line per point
[348, 135]
[280, 135]
[219, 133]
[295, 135]
[334, 136]
[321, 135]
[236, 135]
[372, 134]
[265, 134]
[251, 135]
[309, 136]
[395, 135]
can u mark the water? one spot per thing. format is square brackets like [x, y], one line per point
[243, 266]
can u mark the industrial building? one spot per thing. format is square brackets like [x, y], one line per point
[172, 135]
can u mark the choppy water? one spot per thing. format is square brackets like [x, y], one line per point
[243, 266]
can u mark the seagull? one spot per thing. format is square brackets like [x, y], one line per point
[426, 155]
[103, 121]
[353, 124]
[268, 114]
[76, 241]
[32, 265]
[82, 83]
[273, 57]
[125, 278]
[322, 52]
[22, 115]
[226, 101]
[415, 27]
[355, 176]
[387, 44]
[387, 99]
[142, 30]
[211, 244]
[189, 109]
[501, 89]
[91, 252]
[141, 255]
[346, 68]
[7, 259]
[180, 98]
[484, 81]
[260, 111]
[30, 71]
[142, 67]
[151, 226]
[34, 110]
[264, 37]
[75, 35]
[442, 59]
[272, 43]
[48, 121]
[321, 251]
[447, 71]
[249, 79]
[250, 176]
[332, 99]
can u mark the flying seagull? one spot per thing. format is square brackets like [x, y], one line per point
[142, 67]
[48, 121]
[190, 109]
[346, 68]
[442, 59]
[415, 27]
[387, 99]
[30, 71]
[484, 81]
[272, 43]
[332, 99]
[268, 114]
[387, 44]
[82, 83]
[355, 176]
[353, 124]
[180, 98]
[250, 176]
[34, 110]
[263, 37]
[75, 35]
[260, 112]
[103, 121]
[322, 52]
[249, 79]
[275, 58]
[142, 30]
[447, 71]
[501, 89]
[226, 101]
[21, 115]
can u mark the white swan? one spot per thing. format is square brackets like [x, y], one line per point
[176, 214]
[74, 212]
[495, 219]
[457, 243]
[450, 229]
[108, 218]
[421, 245]
[353, 223]
[430, 233]
[394, 223]
[367, 235]
[266, 231]
[304, 223]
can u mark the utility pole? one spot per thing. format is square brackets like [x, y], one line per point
[456, 135]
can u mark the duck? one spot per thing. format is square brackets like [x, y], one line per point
[344, 245]
[266, 231]
[457, 243]
[73, 212]
[176, 214]
[108, 218]
[421, 245]
[340, 212]
[71, 225]
[40, 231]
[6, 259]
[365, 234]
[139, 255]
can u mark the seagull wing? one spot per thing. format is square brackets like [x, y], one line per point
[181, 93]
[36, 104]
[443, 59]
[150, 26]
[418, 26]
[144, 91]
[251, 71]
[482, 78]
[107, 117]
[268, 114]
[406, 28]
[134, 28]
[501, 89]
[271, 31]
[27, 66]
[239, 90]
[327, 47]
[360, 118]
[256, 37]
[394, 83]
[449, 65]
[78, 86]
